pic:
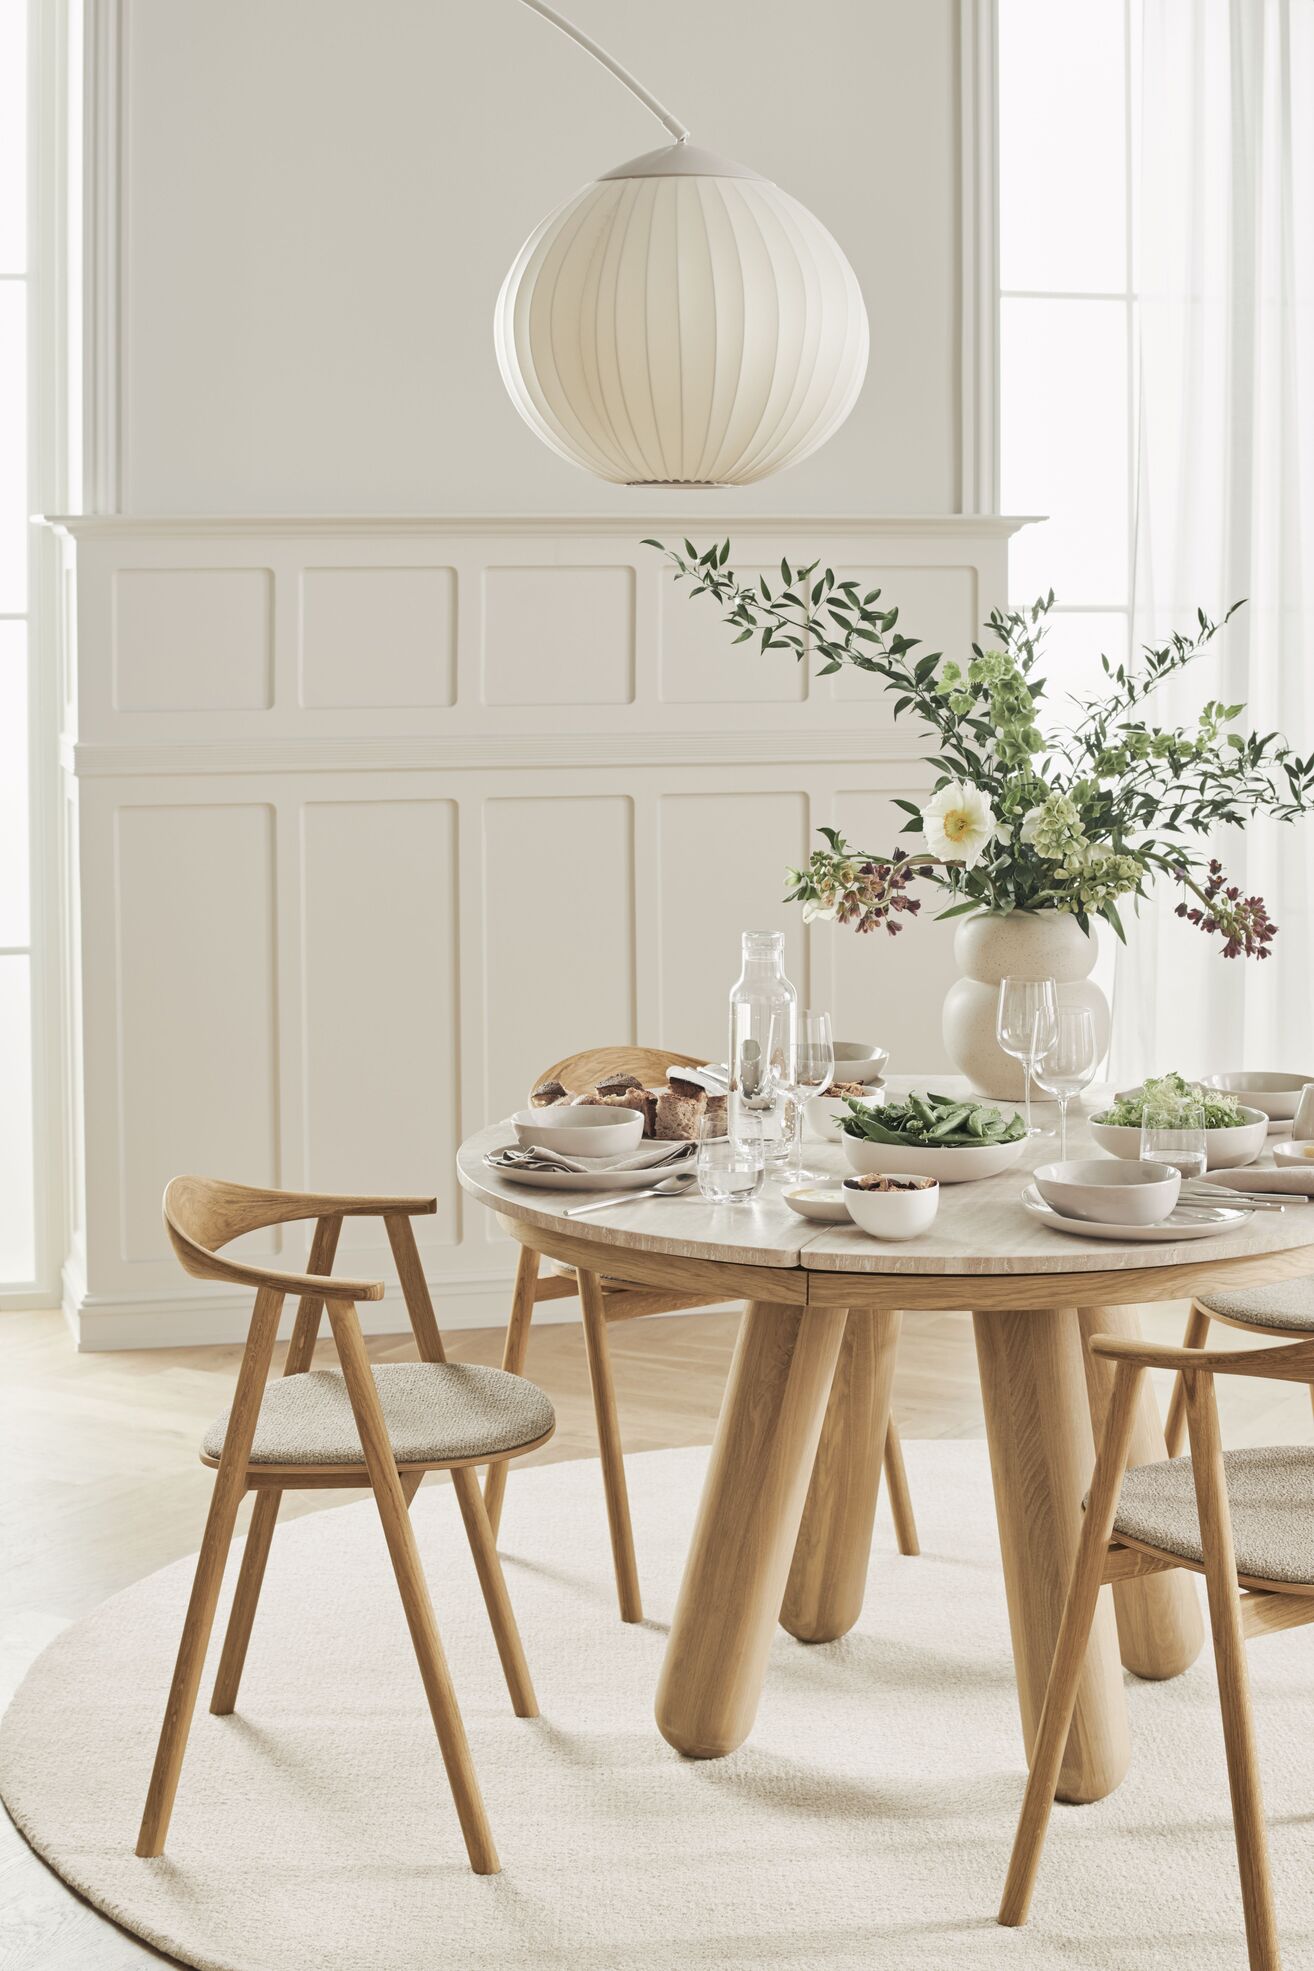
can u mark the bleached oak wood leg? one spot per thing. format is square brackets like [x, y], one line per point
[1033, 1386]
[229, 1486]
[610, 1449]
[896, 1483]
[1160, 1627]
[513, 1358]
[255, 1554]
[828, 1575]
[496, 1599]
[747, 1528]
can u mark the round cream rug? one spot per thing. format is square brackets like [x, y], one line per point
[866, 1823]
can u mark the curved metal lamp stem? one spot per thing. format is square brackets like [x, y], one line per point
[591, 47]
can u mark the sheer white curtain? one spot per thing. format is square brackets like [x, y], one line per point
[1225, 486]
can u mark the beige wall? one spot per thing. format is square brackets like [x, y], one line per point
[322, 196]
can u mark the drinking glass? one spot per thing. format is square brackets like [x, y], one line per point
[1066, 1061]
[1174, 1132]
[730, 1168]
[1022, 1023]
[802, 1064]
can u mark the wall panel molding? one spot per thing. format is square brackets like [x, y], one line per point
[319, 942]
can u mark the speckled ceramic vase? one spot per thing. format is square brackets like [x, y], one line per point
[1013, 944]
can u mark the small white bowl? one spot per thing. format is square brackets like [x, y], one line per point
[858, 1060]
[959, 1166]
[1298, 1156]
[893, 1214]
[578, 1130]
[1227, 1149]
[1278, 1095]
[1110, 1190]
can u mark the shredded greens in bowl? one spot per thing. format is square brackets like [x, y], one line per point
[933, 1122]
[1165, 1091]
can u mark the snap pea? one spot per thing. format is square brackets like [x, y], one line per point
[928, 1118]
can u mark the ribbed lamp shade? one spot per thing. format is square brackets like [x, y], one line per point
[682, 322]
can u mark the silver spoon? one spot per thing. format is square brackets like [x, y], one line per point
[669, 1187]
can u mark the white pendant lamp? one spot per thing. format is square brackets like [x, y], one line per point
[682, 321]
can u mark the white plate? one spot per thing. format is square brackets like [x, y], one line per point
[820, 1201]
[1173, 1230]
[593, 1180]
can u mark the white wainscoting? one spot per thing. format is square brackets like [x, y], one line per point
[371, 820]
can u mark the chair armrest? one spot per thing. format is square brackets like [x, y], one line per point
[1292, 1361]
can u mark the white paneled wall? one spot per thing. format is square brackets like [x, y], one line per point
[372, 820]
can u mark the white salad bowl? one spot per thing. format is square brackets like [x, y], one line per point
[1278, 1095]
[858, 1060]
[893, 1214]
[1110, 1190]
[1226, 1149]
[579, 1130]
[950, 1166]
[822, 1114]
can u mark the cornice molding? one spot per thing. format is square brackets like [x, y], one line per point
[124, 526]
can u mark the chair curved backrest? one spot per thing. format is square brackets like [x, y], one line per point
[202, 1214]
[580, 1071]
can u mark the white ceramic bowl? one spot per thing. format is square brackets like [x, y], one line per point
[858, 1060]
[1110, 1190]
[822, 1113]
[578, 1130]
[1227, 1149]
[893, 1214]
[949, 1166]
[1295, 1156]
[1278, 1095]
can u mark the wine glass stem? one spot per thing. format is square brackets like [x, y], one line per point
[1026, 1082]
[1063, 1128]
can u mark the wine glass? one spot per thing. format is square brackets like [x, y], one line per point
[801, 1059]
[1173, 1132]
[730, 1167]
[1066, 1060]
[1022, 1023]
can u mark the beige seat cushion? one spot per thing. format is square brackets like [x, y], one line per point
[435, 1412]
[1271, 1496]
[1288, 1305]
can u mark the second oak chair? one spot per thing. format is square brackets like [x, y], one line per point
[603, 1302]
[384, 1427]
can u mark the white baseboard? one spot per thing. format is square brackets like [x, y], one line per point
[191, 1319]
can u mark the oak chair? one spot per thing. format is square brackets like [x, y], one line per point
[603, 1302]
[1285, 1310]
[385, 1427]
[1243, 1519]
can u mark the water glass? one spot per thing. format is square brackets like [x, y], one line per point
[1174, 1133]
[802, 1065]
[730, 1167]
[1066, 1061]
[1024, 1018]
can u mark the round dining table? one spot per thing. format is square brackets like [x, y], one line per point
[784, 1526]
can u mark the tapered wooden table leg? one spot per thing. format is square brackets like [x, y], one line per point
[1041, 1455]
[1160, 1627]
[748, 1520]
[828, 1576]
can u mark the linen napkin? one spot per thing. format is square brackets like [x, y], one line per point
[651, 1156]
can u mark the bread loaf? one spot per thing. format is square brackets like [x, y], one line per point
[618, 1084]
[717, 1114]
[547, 1093]
[677, 1115]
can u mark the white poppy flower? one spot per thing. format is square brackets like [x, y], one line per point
[958, 823]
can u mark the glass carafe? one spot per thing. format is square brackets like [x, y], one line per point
[758, 995]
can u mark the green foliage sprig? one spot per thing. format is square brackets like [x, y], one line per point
[1072, 817]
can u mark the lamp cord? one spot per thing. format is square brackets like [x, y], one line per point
[591, 47]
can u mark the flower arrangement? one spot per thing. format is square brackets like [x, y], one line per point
[1074, 817]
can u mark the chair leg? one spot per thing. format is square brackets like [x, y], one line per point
[264, 1516]
[1174, 1429]
[496, 1599]
[400, 1536]
[610, 1450]
[229, 1486]
[513, 1359]
[1070, 1649]
[1233, 1681]
[896, 1485]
